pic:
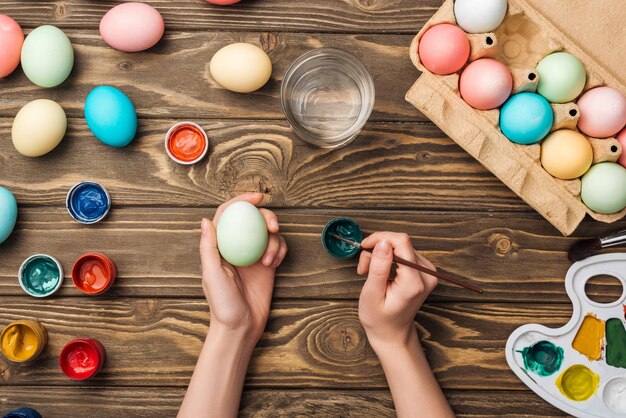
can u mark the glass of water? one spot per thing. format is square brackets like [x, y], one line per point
[327, 96]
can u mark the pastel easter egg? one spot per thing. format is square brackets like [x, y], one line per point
[566, 154]
[526, 118]
[47, 56]
[485, 84]
[604, 188]
[479, 16]
[621, 137]
[241, 234]
[11, 40]
[602, 112]
[8, 213]
[241, 67]
[223, 2]
[132, 27]
[38, 128]
[562, 77]
[444, 49]
[111, 116]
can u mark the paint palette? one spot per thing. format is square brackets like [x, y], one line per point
[581, 367]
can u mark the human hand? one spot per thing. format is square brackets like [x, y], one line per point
[387, 308]
[239, 297]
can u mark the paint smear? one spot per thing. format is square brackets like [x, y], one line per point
[615, 343]
[542, 358]
[615, 395]
[578, 383]
[589, 339]
[19, 342]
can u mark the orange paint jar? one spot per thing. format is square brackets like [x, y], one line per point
[94, 273]
[24, 340]
[186, 143]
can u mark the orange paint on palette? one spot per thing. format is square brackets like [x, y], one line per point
[589, 339]
[186, 143]
[94, 273]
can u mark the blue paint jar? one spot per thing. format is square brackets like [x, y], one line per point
[88, 202]
[526, 118]
[346, 228]
[23, 413]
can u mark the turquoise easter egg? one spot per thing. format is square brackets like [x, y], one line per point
[47, 56]
[526, 118]
[562, 77]
[241, 234]
[111, 116]
[8, 213]
[604, 188]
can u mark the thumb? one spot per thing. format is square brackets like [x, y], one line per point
[209, 254]
[380, 268]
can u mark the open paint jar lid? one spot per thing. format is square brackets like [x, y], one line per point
[88, 202]
[94, 273]
[346, 228]
[23, 340]
[25, 412]
[186, 143]
[40, 275]
[82, 358]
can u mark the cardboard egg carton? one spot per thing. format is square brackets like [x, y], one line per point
[520, 42]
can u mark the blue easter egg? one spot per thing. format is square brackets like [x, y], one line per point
[111, 116]
[8, 213]
[526, 118]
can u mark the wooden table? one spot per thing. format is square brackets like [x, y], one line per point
[402, 174]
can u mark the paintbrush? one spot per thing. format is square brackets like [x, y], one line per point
[398, 260]
[586, 248]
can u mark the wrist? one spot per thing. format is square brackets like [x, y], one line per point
[233, 340]
[406, 340]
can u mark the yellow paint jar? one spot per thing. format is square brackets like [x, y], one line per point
[23, 340]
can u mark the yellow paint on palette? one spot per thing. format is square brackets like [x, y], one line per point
[589, 339]
[578, 383]
[23, 341]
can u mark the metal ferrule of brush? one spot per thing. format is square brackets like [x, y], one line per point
[617, 238]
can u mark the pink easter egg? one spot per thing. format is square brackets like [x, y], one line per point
[485, 84]
[602, 112]
[11, 40]
[621, 137]
[223, 2]
[132, 27]
[444, 49]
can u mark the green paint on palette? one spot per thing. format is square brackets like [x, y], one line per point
[615, 343]
[346, 228]
[542, 358]
[40, 275]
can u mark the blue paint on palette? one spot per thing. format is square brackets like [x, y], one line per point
[23, 413]
[88, 202]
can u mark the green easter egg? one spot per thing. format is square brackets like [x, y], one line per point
[604, 188]
[47, 56]
[562, 77]
[241, 234]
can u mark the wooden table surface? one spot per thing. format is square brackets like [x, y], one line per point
[402, 174]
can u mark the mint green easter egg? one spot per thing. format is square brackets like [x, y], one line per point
[241, 234]
[604, 188]
[8, 213]
[47, 56]
[562, 77]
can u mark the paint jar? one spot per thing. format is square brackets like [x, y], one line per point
[94, 273]
[327, 96]
[25, 412]
[346, 228]
[82, 358]
[88, 202]
[186, 143]
[23, 340]
[40, 275]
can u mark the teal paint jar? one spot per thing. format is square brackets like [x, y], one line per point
[346, 228]
[40, 275]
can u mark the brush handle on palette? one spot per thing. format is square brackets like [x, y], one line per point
[612, 240]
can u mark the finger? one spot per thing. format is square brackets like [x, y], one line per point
[271, 220]
[254, 198]
[209, 254]
[273, 245]
[364, 263]
[401, 243]
[430, 280]
[282, 252]
[379, 270]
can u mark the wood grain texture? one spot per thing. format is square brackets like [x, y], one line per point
[312, 344]
[156, 250]
[390, 166]
[384, 16]
[141, 402]
[173, 78]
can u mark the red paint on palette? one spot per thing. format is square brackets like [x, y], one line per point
[82, 358]
[186, 143]
[94, 273]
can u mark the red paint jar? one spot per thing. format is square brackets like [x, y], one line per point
[186, 143]
[82, 358]
[94, 273]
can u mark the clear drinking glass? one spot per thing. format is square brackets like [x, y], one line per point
[327, 95]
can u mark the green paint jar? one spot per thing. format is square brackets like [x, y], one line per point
[346, 228]
[40, 275]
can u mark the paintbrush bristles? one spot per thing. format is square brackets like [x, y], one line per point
[584, 249]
